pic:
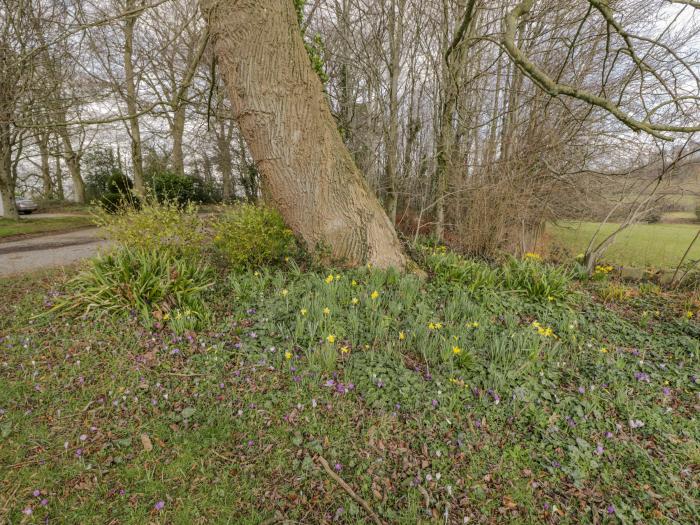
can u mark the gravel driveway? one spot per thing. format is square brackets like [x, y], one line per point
[49, 251]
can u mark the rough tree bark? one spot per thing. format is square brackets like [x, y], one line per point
[285, 119]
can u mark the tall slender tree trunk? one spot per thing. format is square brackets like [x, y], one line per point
[7, 180]
[58, 184]
[178, 132]
[282, 111]
[223, 142]
[131, 106]
[46, 182]
[395, 26]
[72, 159]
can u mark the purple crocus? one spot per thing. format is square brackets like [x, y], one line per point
[611, 509]
[159, 505]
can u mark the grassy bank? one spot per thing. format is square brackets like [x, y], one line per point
[29, 225]
[640, 246]
[434, 401]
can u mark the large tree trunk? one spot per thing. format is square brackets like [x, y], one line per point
[285, 119]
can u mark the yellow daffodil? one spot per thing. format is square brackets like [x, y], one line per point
[337, 277]
[287, 355]
[303, 311]
[689, 314]
[329, 279]
[331, 339]
[533, 256]
[431, 326]
[438, 326]
[456, 350]
[402, 336]
[355, 300]
[603, 350]
[284, 292]
[326, 311]
[345, 350]
[354, 282]
[374, 294]
[475, 324]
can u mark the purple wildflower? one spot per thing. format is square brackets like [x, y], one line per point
[582, 390]
[79, 452]
[338, 467]
[28, 511]
[642, 376]
[609, 434]
[251, 442]
[159, 505]
[44, 502]
[667, 391]
[611, 509]
[434, 402]
[599, 450]
[556, 464]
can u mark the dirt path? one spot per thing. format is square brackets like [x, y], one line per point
[49, 251]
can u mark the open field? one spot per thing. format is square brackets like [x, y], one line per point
[29, 225]
[433, 403]
[640, 246]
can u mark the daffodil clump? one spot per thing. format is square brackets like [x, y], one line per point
[603, 269]
[544, 331]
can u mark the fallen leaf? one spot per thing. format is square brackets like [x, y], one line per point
[146, 442]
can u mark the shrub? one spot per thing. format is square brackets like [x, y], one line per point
[157, 285]
[155, 226]
[535, 279]
[118, 194]
[168, 186]
[249, 236]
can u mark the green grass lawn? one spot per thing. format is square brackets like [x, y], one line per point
[31, 225]
[433, 403]
[640, 246]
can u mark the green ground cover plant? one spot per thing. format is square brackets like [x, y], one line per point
[255, 390]
[433, 400]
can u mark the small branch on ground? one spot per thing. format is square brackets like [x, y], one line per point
[349, 490]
